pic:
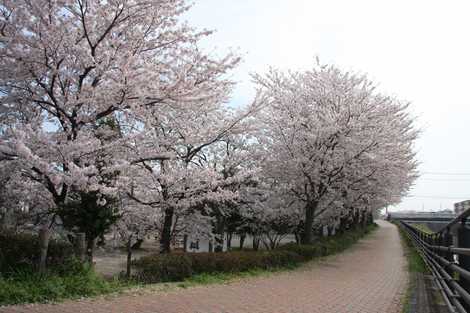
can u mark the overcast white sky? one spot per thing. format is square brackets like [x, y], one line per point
[416, 50]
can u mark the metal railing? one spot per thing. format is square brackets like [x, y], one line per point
[447, 255]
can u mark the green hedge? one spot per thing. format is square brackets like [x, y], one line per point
[239, 261]
[308, 252]
[163, 268]
[340, 242]
[179, 266]
[21, 251]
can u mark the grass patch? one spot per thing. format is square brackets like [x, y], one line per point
[218, 278]
[415, 266]
[415, 262]
[221, 278]
[422, 227]
[28, 286]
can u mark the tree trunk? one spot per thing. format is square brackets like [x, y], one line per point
[129, 258]
[6, 221]
[266, 244]
[165, 239]
[185, 243]
[356, 218]
[307, 236]
[219, 234]
[101, 241]
[44, 236]
[343, 221]
[341, 225]
[297, 238]
[138, 244]
[80, 246]
[256, 243]
[363, 219]
[330, 230]
[242, 240]
[273, 243]
[229, 241]
[90, 249]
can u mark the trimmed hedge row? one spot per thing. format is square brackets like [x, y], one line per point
[328, 245]
[239, 261]
[307, 252]
[179, 266]
[21, 251]
[163, 268]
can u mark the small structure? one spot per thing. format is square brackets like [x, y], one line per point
[459, 207]
[193, 244]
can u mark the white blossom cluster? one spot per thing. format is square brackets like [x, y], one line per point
[116, 97]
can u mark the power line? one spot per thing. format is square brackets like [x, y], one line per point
[437, 197]
[446, 173]
[445, 179]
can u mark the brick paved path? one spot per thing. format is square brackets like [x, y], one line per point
[368, 278]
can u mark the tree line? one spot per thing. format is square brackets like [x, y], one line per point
[113, 117]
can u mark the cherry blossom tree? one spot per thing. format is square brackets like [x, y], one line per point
[195, 174]
[135, 224]
[22, 204]
[105, 100]
[324, 130]
[69, 66]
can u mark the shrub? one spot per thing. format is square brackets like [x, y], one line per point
[236, 261]
[330, 245]
[163, 268]
[176, 267]
[308, 252]
[21, 251]
[28, 286]
[279, 258]
[179, 266]
[71, 266]
[239, 261]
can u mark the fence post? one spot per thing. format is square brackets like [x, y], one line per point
[439, 242]
[448, 241]
[464, 260]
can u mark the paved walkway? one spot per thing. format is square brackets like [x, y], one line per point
[368, 278]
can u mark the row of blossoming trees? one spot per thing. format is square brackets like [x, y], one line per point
[112, 116]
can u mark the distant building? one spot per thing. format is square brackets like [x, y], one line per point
[459, 207]
[444, 215]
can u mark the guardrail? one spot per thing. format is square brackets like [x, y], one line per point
[447, 255]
